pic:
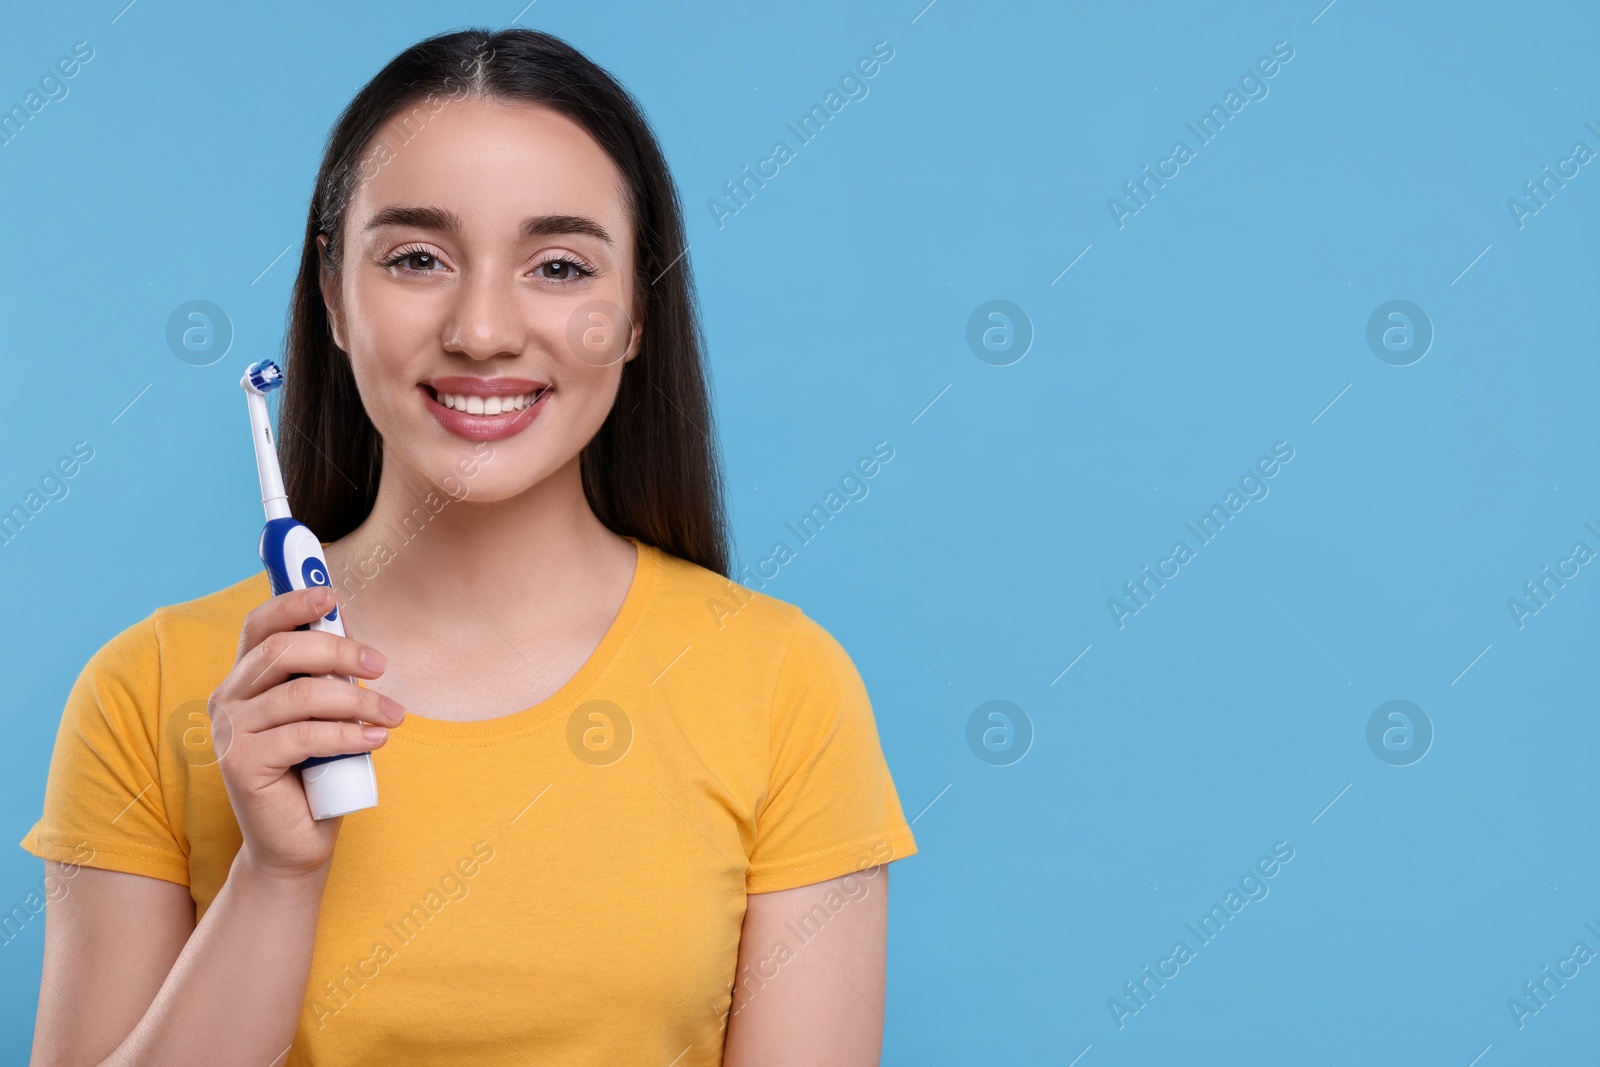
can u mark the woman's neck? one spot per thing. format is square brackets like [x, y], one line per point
[530, 562]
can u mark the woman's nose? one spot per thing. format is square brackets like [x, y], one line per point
[485, 320]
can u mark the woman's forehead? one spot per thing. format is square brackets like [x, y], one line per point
[492, 163]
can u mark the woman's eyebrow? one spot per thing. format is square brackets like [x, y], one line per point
[447, 221]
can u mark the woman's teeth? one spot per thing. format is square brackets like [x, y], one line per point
[486, 405]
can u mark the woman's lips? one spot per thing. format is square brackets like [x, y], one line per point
[485, 427]
[484, 386]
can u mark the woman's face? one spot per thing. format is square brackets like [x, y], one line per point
[488, 263]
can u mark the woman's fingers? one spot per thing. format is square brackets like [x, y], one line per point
[284, 612]
[278, 749]
[279, 707]
[315, 698]
[279, 656]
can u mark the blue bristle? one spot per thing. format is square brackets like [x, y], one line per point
[265, 375]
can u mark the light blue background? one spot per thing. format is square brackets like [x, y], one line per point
[1224, 316]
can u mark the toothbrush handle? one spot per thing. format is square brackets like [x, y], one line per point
[292, 556]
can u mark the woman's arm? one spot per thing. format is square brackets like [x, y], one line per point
[130, 979]
[109, 941]
[230, 989]
[810, 986]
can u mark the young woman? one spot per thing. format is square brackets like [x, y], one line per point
[630, 812]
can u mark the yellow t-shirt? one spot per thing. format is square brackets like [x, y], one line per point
[567, 882]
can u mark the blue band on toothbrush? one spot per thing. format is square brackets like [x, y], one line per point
[312, 761]
[274, 535]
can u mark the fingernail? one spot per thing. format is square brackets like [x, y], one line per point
[373, 660]
[391, 708]
[374, 733]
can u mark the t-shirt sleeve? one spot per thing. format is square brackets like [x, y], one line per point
[103, 802]
[831, 806]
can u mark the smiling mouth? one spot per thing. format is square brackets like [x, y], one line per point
[470, 404]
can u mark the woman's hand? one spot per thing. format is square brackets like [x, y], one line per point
[263, 722]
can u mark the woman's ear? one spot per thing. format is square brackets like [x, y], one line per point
[636, 338]
[328, 282]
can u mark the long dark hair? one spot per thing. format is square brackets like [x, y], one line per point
[651, 470]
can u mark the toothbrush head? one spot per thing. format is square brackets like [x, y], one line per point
[262, 377]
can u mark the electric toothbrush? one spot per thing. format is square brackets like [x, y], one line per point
[292, 555]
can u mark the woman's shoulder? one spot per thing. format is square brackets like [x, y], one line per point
[134, 731]
[182, 637]
[211, 617]
[760, 624]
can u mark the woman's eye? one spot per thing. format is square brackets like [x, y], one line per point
[555, 270]
[421, 262]
[560, 270]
